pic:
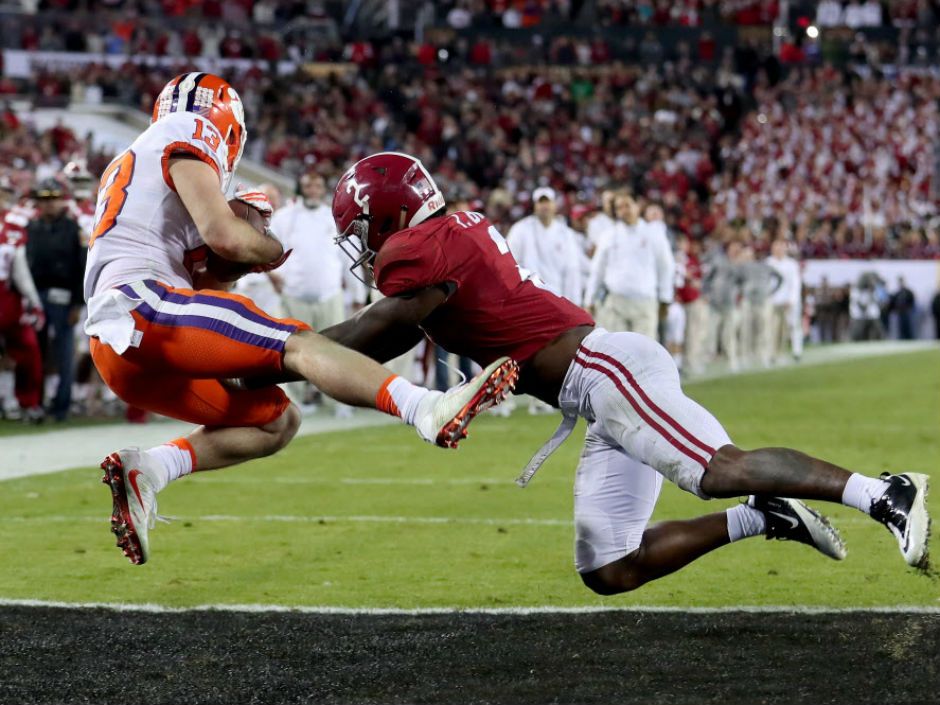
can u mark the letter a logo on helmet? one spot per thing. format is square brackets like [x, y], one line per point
[213, 98]
[379, 196]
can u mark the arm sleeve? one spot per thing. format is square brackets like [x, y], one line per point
[408, 263]
[190, 134]
[23, 279]
[665, 269]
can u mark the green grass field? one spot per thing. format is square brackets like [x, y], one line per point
[372, 518]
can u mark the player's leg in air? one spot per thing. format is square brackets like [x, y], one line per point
[646, 428]
[194, 346]
[165, 343]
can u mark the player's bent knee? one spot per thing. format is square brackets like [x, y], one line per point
[724, 471]
[614, 578]
[282, 430]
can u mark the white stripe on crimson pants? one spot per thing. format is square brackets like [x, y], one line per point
[642, 427]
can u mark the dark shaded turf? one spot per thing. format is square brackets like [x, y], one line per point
[69, 656]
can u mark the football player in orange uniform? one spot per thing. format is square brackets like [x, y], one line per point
[162, 223]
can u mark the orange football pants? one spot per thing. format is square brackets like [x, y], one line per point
[189, 341]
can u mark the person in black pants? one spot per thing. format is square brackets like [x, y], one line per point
[56, 259]
[903, 303]
[935, 309]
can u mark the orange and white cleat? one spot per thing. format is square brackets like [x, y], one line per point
[443, 417]
[135, 502]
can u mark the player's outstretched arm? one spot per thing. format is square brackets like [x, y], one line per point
[390, 327]
[225, 233]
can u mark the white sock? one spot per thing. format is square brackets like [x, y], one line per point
[860, 491]
[407, 397]
[745, 521]
[170, 462]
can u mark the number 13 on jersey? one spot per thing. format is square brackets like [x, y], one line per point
[114, 182]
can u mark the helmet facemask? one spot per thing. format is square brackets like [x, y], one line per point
[354, 242]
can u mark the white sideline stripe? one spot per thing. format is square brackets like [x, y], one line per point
[521, 611]
[44, 453]
[316, 519]
[301, 519]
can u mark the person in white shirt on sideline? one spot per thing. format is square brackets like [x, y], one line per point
[601, 223]
[544, 244]
[635, 269]
[311, 282]
[787, 301]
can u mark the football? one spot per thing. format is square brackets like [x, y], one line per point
[224, 270]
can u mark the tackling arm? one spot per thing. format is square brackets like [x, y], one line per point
[225, 233]
[390, 327]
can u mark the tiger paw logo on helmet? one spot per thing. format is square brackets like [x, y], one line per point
[213, 98]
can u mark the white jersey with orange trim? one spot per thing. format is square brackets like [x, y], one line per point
[141, 229]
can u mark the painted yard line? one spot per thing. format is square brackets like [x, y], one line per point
[326, 519]
[295, 519]
[520, 611]
[510, 481]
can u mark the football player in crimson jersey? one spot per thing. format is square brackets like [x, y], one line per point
[453, 278]
[160, 344]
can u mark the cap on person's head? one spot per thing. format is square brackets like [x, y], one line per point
[543, 192]
[47, 188]
[579, 210]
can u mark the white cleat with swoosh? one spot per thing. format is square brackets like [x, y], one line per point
[791, 520]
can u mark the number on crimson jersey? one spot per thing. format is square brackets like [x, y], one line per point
[468, 219]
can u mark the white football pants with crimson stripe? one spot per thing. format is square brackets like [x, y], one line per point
[642, 428]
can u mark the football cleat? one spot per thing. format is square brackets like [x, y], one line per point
[443, 417]
[903, 509]
[135, 502]
[791, 520]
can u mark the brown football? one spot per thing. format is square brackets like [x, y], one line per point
[222, 269]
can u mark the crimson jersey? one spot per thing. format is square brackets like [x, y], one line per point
[12, 237]
[498, 308]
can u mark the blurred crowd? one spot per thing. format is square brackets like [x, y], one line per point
[730, 166]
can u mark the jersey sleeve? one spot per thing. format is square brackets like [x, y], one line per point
[409, 262]
[191, 134]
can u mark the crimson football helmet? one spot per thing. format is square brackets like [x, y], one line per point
[213, 98]
[377, 197]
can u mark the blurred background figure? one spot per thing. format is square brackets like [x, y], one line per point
[787, 302]
[633, 273]
[311, 282]
[903, 304]
[689, 296]
[544, 244]
[865, 309]
[722, 287]
[56, 258]
[759, 283]
[600, 224]
[21, 315]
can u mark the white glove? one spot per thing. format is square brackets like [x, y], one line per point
[257, 200]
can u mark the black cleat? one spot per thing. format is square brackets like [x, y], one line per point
[791, 520]
[903, 509]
